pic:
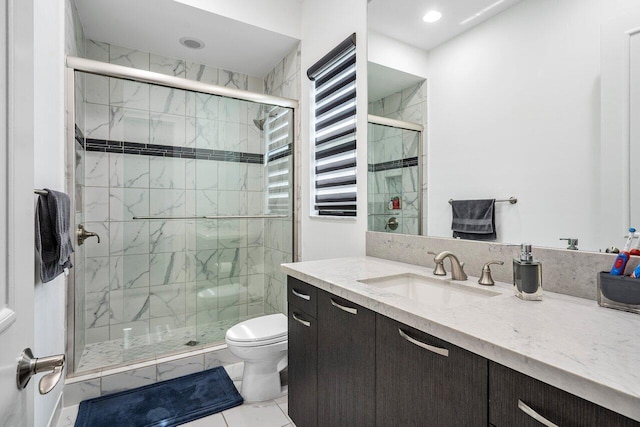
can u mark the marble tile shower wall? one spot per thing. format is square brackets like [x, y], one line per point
[284, 81]
[393, 172]
[157, 275]
[409, 105]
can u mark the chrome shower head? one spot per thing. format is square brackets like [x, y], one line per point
[259, 123]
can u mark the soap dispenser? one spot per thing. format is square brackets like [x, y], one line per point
[527, 275]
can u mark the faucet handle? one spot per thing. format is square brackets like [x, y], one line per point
[572, 242]
[485, 278]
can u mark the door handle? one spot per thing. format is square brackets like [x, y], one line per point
[29, 366]
[83, 235]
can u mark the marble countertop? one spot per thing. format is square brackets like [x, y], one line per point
[568, 342]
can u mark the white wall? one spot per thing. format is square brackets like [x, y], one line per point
[49, 304]
[394, 54]
[322, 29]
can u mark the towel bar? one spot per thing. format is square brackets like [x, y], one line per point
[511, 200]
[41, 192]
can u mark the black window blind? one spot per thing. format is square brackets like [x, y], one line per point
[334, 78]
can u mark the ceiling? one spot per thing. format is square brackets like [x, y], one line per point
[402, 19]
[157, 25]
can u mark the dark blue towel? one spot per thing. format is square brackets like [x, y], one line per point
[53, 241]
[167, 403]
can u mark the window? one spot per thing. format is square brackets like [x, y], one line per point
[334, 78]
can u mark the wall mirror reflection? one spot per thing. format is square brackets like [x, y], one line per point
[397, 111]
[525, 100]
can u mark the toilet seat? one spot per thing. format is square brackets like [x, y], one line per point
[259, 331]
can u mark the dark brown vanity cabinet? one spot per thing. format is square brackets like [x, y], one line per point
[424, 381]
[303, 353]
[346, 363]
[516, 399]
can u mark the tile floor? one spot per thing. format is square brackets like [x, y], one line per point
[272, 413]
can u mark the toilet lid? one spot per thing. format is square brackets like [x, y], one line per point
[259, 330]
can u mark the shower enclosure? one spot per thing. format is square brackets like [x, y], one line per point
[394, 178]
[184, 193]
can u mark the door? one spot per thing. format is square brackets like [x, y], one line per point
[16, 206]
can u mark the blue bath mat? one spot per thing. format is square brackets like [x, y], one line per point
[167, 403]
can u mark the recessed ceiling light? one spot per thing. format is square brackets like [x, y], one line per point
[191, 43]
[432, 16]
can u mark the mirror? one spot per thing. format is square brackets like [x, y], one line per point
[514, 110]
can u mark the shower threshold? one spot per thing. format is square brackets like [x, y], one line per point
[104, 354]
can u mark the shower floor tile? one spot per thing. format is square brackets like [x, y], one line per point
[271, 413]
[109, 353]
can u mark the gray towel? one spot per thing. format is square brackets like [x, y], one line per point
[53, 243]
[474, 219]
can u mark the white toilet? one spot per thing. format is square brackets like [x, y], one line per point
[261, 343]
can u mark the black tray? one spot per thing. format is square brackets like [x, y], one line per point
[622, 289]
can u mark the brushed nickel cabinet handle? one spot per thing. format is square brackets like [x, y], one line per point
[533, 414]
[438, 350]
[343, 308]
[299, 320]
[299, 295]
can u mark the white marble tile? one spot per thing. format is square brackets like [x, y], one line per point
[126, 203]
[168, 66]
[128, 57]
[68, 416]
[126, 124]
[232, 262]
[167, 268]
[136, 304]
[206, 236]
[97, 309]
[96, 335]
[201, 73]
[229, 110]
[233, 80]
[96, 169]
[128, 94]
[167, 300]
[219, 358]
[215, 420]
[128, 238]
[97, 274]
[96, 121]
[167, 129]
[206, 106]
[128, 380]
[228, 136]
[179, 368]
[130, 271]
[96, 205]
[97, 51]
[205, 264]
[128, 170]
[77, 392]
[206, 174]
[205, 134]
[167, 100]
[232, 203]
[167, 172]
[206, 202]
[167, 236]
[96, 89]
[264, 414]
[167, 203]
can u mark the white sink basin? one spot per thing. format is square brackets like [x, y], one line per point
[430, 291]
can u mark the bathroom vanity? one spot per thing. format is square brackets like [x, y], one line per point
[368, 346]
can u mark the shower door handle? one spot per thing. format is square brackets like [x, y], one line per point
[83, 235]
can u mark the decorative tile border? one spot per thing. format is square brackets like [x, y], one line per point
[394, 164]
[135, 148]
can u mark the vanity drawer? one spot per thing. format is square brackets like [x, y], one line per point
[302, 296]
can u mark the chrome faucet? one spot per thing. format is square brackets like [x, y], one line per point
[457, 271]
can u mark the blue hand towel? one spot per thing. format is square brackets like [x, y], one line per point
[53, 243]
[474, 219]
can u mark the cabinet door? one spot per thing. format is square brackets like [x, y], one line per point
[517, 399]
[346, 363]
[424, 381]
[302, 370]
